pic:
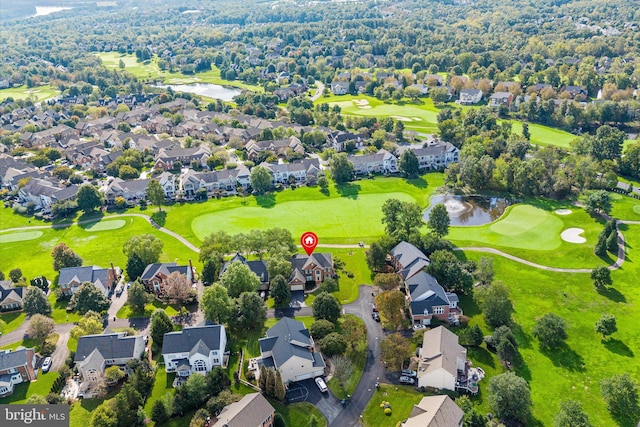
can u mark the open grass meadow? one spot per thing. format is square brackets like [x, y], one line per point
[576, 369]
[532, 231]
[149, 70]
[37, 94]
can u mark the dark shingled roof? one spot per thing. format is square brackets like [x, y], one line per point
[258, 267]
[110, 346]
[11, 359]
[286, 339]
[197, 339]
[410, 258]
[426, 293]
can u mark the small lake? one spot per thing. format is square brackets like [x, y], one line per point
[48, 10]
[207, 89]
[470, 210]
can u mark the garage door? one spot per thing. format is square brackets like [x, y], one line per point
[304, 377]
[297, 288]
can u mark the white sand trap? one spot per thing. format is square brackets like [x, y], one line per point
[402, 118]
[563, 211]
[573, 235]
[361, 103]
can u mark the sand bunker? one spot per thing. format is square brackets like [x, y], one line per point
[573, 235]
[402, 118]
[361, 103]
[563, 211]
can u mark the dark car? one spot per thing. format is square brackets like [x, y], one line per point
[375, 316]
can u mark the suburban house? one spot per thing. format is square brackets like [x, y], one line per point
[499, 99]
[96, 353]
[381, 162]
[427, 299]
[253, 410]
[575, 91]
[435, 411]
[312, 269]
[11, 296]
[165, 159]
[436, 154]
[470, 96]
[16, 366]
[43, 193]
[340, 88]
[278, 147]
[407, 260]
[169, 184]
[225, 181]
[258, 267]
[72, 277]
[194, 349]
[338, 140]
[289, 348]
[443, 363]
[301, 171]
[132, 190]
[154, 275]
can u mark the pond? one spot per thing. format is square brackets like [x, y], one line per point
[470, 210]
[207, 89]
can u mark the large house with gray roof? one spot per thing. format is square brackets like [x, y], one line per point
[16, 366]
[436, 155]
[252, 410]
[289, 348]
[301, 171]
[312, 269]
[154, 276]
[11, 296]
[103, 278]
[95, 353]
[380, 162]
[196, 349]
[257, 267]
[132, 190]
[428, 299]
[407, 260]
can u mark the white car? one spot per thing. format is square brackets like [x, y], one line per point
[321, 384]
[418, 326]
[407, 380]
[46, 365]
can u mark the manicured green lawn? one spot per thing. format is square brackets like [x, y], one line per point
[625, 207]
[401, 398]
[95, 247]
[354, 263]
[163, 384]
[299, 414]
[80, 414]
[358, 357]
[39, 93]
[29, 343]
[575, 370]
[545, 135]
[126, 312]
[149, 70]
[532, 231]
[347, 215]
[11, 321]
[22, 391]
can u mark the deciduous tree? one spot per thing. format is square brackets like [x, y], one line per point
[261, 180]
[620, 393]
[342, 369]
[155, 193]
[239, 278]
[216, 304]
[395, 350]
[160, 325]
[571, 415]
[439, 220]
[251, 312]
[601, 277]
[402, 220]
[551, 330]
[386, 281]
[606, 325]
[89, 198]
[354, 331]
[178, 289]
[409, 164]
[510, 397]
[333, 344]
[35, 302]
[89, 298]
[280, 291]
[341, 168]
[391, 306]
[446, 268]
[64, 257]
[146, 246]
[40, 328]
[496, 305]
[321, 328]
[89, 324]
[137, 297]
[327, 307]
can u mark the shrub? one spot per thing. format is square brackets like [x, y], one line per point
[387, 411]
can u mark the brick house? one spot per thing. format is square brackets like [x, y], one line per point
[313, 269]
[16, 367]
[154, 275]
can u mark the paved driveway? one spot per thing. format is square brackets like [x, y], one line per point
[326, 403]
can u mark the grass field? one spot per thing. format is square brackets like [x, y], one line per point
[11, 321]
[358, 357]
[401, 399]
[625, 207]
[23, 391]
[149, 70]
[423, 117]
[575, 370]
[299, 414]
[126, 312]
[40, 93]
[532, 232]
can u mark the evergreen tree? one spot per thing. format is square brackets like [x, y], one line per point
[279, 388]
[612, 242]
[271, 382]
[262, 379]
[280, 291]
[135, 267]
[160, 325]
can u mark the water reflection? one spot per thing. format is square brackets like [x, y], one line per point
[470, 210]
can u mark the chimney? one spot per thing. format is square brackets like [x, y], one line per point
[115, 274]
[193, 275]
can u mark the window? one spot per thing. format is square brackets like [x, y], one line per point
[216, 361]
[12, 370]
[438, 310]
[3, 390]
[200, 366]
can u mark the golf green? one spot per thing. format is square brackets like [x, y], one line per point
[330, 219]
[20, 237]
[523, 227]
[636, 209]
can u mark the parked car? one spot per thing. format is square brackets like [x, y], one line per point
[321, 384]
[119, 290]
[375, 316]
[361, 244]
[46, 365]
[407, 380]
[418, 326]
[409, 373]
[128, 285]
[374, 307]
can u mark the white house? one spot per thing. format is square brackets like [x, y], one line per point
[436, 155]
[470, 96]
[289, 348]
[169, 184]
[195, 349]
[300, 170]
[381, 162]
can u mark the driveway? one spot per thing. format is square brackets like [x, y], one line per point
[118, 301]
[60, 354]
[327, 403]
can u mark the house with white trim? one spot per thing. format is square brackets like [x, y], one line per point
[95, 353]
[197, 349]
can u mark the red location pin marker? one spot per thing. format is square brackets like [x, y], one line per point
[309, 241]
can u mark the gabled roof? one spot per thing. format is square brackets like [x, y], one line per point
[435, 411]
[258, 267]
[286, 339]
[163, 268]
[109, 346]
[440, 350]
[410, 259]
[426, 293]
[94, 274]
[252, 410]
[8, 291]
[11, 359]
[194, 340]
[435, 149]
[304, 262]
